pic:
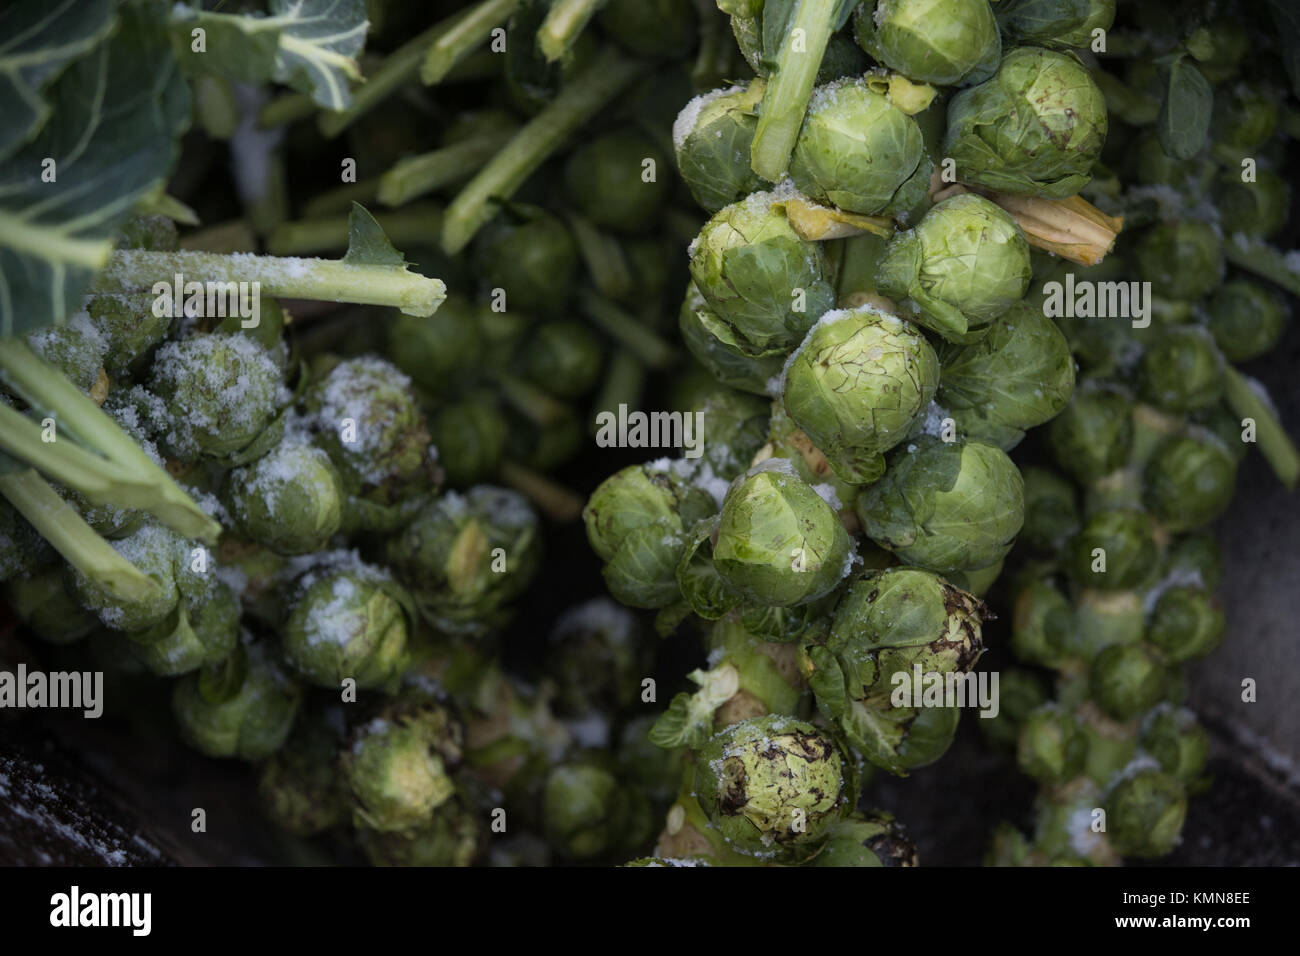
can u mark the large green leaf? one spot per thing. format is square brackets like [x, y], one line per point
[112, 138]
[1184, 121]
[37, 41]
[311, 45]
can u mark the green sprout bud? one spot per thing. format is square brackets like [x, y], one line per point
[453, 837]
[298, 788]
[945, 506]
[585, 812]
[42, 602]
[290, 500]
[1127, 679]
[1186, 623]
[369, 422]
[597, 659]
[945, 42]
[1042, 624]
[1245, 118]
[856, 150]
[563, 358]
[1145, 814]
[712, 137]
[1196, 557]
[76, 348]
[1115, 549]
[221, 391]
[249, 717]
[1189, 481]
[1055, 23]
[1051, 748]
[1177, 742]
[856, 386]
[758, 276]
[345, 620]
[963, 265]
[1018, 376]
[1094, 435]
[1152, 166]
[471, 440]
[1257, 208]
[1051, 511]
[154, 551]
[652, 28]
[397, 770]
[533, 258]
[651, 769]
[194, 637]
[1246, 319]
[774, 787]
[22, 549]
[1182, 260]
[442, 354]
[1019, 693]
[618, 181]
[465, 557]
[1036, 127]
[867, 839]
[778, 541]
[737, 428]
[1182, 370]
[715, 345]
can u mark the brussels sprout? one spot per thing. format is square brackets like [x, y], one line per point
[129, 334]
[656, 28]
[712, 136]
[1127, 679]
[1145, 813]
[453, 837]
[1094, 435]
[563, 358]
[1257, 208]
[945, 507]
[1182, 370]
[1194, 556]
[1115, 549]
[22, 549]
[1177, 742]
[298, 788]
[858, 151]
[155, 551]
[464, 557]
[1246, 319]
[778, 541]
[758, 276]
[290, 500]
[585, 812]
[1051, 748]
[786, 440]
[1055, 23]
[345, 620]
[1244, 119]
[221, 392]
[1019, 693]
[1063, 828]
[249, 718]
[1051, 511]
[736, 427]
[597, 658]
[197, 636]
[1042, 624]
[1186, 623]
[1189, 481]
[530, 254]
[398, 767]
[945, 42]
[637, 522]
[867, 839]
[442, 353]
[1019, 375]
[857, 385]
[1152, 166]
[369, 422]
[1182, 260]
[774, 787]
[964, 264]
[42, 602]
[1036, 127]
[618, 181]
[715, 345]
[76, 348]
[471, 440]
[651, 769]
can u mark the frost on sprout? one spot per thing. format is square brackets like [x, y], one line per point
[599, 614]
[689, 116]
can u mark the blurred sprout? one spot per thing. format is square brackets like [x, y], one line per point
[712, 137]
[1055, 23]
[129, 332]
[774, 787]
[585, 812]
[243, 707]
[1145, 813]
[1177, 742]
[856, 386]
[618, 181]
[42, 602]
[778, 542]
[1042, 624]
[76, 348]
[563, 358]
[1120, 540]
[453, 837]
[1256, 208]
[1126, 680]
[1189, 481]
[1051, 511]
[1182, 370]
[1186, 623]
[945, 507]
[597, 657]
[964, 264]
[858, 151]
[1246, 319]
[867, 839]
[155, 551]
[1094, 435]
[1245, 117]
[441, 354]
[1036, 127]
[194, 636]
[1051, 748]
[1182, 260]
[22, 549]
[299, 788]
[290, 500]
[758, 276]
[946, 42]
[471, 440]
[658, 28]
[529, 253]
[1020, 691]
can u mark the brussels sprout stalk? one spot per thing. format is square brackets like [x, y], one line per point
[459, 37]
[417, 175]
[563, 25]
[1273, 440]
[631, 334]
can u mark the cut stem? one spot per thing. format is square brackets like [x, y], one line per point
[457, 42]
[556, 502]
[626, 330]
[603, 256]
[563, 25]
[417, 175]
[1271, 437]
[604, 78]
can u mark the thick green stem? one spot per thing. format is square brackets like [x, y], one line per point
[81, 419]
[530, 401]
[456, 43]
[604, 78]
[603, 256]
[285, 108]
[626, 330]
[417, 175]
[330, 280]
[557, 502]
[416, 225]
[785, 99]
[1257, 256]
[60, 524]
[1271, 437]
[563, 25]
[339, 200]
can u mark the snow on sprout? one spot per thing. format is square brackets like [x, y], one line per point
[827, 492]
[599, 614]
[689, 116]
